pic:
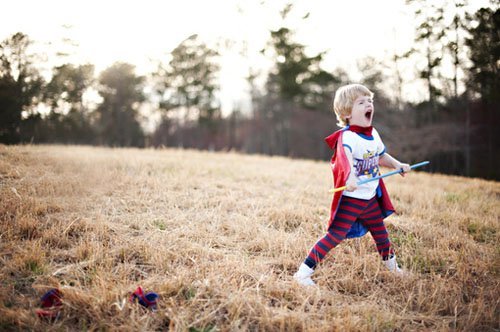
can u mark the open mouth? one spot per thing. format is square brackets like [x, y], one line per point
[368, 115]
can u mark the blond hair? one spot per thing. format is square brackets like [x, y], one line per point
[344, 100]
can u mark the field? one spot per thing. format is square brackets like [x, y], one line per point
[219, 235]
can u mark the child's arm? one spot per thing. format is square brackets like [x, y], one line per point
[388, 161]
[351, 183]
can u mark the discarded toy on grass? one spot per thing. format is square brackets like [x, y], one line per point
[148, 300]
[51, 304]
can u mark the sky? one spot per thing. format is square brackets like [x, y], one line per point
[143, 32]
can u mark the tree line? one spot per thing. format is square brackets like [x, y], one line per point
[453, 127]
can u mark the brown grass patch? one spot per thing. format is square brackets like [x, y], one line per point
[219, 237]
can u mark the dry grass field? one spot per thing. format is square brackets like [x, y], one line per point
[219, 235]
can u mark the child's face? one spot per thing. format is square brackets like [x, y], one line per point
[362, 112]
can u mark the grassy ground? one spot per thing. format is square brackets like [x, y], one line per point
[219, 236]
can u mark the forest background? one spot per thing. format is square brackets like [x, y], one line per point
[455, 61]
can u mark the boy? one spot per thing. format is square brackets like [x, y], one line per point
[358, 152]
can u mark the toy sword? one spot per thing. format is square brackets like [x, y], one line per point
[423, 163]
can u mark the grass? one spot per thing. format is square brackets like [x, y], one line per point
[219, 235]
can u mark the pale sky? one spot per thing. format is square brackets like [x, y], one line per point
[139, 31]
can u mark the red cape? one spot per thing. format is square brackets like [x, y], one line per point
[341, 169]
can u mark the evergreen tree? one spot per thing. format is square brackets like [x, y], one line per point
[64, 95]
[296, 77]
[296, 81]
[188, 84]
[484, 83]
[122, 95]
[484, 50]
[20, 86]
[429, 42]
[456, 42]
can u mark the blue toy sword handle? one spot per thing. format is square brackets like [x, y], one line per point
[423, 163]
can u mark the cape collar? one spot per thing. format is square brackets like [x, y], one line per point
[367, 131]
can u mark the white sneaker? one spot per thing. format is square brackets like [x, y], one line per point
[303, 275]
[392, 265]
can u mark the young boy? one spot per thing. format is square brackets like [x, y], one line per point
[358, 152]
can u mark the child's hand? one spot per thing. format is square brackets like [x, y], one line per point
[405, 167]
[351, 185]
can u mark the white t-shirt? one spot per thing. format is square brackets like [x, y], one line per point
[365, 153]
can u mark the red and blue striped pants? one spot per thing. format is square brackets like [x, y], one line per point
[351, 209]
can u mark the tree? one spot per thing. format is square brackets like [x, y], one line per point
[67, 86]
[122, 95]
[296, 77]
[429, 44]
[484, 82]
[64, 95]
[188, 84]
[484, 52]
[20, 85]
[296, 81]
[456, 42]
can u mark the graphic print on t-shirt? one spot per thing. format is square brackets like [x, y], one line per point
[368, 166]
